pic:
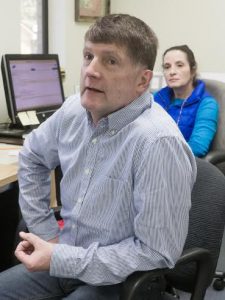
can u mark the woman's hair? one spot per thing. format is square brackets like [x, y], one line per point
[190, 58]
[126, 31]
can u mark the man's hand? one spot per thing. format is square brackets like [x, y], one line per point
[34, 252]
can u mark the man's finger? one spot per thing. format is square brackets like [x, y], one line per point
[30, 237]
[23, 245]
[24, 258]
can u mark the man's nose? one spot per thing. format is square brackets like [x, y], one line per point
[93, 68]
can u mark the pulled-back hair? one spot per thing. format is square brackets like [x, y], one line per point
[190, 58]
[126, 31]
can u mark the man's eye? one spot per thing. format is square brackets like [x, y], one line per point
[88, 56]
[112, 61]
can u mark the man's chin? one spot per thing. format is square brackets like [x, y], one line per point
[91, 97]
[86, 102]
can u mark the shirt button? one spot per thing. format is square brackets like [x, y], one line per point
[94, 141]
[73, 226]
[112, 132]
[79, 200]
[87, 171]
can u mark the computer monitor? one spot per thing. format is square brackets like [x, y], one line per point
[32, 82]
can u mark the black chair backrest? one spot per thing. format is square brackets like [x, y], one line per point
[207, 220]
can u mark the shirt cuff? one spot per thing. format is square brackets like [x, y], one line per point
[64, 261]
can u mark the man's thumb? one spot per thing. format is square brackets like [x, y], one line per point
[30, 237]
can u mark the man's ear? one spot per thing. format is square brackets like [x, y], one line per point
[145, 78]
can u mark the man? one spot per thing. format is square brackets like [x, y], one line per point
[127, 177]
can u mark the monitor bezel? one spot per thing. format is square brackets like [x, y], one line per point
[8, 82]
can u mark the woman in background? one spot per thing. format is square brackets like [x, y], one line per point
[185, 98]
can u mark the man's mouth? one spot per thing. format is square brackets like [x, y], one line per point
[93, 90]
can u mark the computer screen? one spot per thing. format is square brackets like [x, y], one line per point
[32, 82]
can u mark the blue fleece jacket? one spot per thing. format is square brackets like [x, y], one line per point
[197, 116]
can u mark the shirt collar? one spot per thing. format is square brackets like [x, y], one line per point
[127, 114]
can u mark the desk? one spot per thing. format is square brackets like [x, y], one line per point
[9, 207]
[8, 174]
[8, 163]
[9, 167]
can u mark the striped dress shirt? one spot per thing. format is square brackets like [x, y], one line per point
[125, 191]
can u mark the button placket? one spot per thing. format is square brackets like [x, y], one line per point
[87, 172]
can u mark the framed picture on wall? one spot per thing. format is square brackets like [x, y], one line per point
[90, 10]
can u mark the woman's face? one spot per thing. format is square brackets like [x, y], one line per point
[176, 69]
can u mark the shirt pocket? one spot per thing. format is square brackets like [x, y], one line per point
[107, 208]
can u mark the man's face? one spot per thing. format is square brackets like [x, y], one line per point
[109, 79]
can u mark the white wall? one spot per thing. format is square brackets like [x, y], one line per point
[66, 39]
[9, 40]
[200, 24]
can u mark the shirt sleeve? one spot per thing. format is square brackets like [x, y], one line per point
[205, 127]
[163, 178]
[36, 160]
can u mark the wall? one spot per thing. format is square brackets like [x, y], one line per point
[200, 24]
[10, 40]
[66, 39]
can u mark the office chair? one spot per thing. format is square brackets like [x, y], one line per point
[9, 218]
[195, 269]
[216, 154]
